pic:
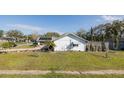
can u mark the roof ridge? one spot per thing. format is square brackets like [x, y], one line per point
[71, 34]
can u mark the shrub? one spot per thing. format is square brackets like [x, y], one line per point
[8, 45]
[34, 44]
[50, 45]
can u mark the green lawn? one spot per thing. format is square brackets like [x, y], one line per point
[79, 61]
[24, 46]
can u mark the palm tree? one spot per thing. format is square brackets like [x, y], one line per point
[112, 31]
[103, 32]
[92, 38]
[116, 30]
[92, 34]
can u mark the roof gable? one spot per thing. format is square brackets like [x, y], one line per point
[71, 34]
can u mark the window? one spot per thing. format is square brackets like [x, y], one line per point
[75, 45]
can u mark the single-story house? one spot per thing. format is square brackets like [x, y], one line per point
[112, 44]
[70, 42]
[7, 39]
[45, 39]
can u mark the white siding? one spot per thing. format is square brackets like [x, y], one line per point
[63, 43]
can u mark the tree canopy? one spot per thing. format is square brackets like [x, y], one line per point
[1, 33]
[103, 32]
[51, 34]
[14, 33]
[81, 33]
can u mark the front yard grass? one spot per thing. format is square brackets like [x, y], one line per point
[68, 61]
[24, 46]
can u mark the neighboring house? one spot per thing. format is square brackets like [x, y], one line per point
[70, 42]
[121, 44]
[112, 44]
[7, 39]
[45, 39]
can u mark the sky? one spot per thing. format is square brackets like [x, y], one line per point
[53, 23]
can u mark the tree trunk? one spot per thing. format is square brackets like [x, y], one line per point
[117, 43]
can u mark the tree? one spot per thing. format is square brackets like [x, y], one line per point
[113, 30]
[33, 36]
[82, 33]
[92, 34]
[50, 45]
[1, 33]
[116, 30]
[8, 45]
[51, 34]
[98, 32]
[14, 33]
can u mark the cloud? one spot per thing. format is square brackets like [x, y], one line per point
[107, 18]
[30, 28]
[110, 18]
[24, 27]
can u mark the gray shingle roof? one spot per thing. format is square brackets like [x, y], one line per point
[66, 34]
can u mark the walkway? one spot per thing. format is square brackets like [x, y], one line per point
[37, 72]
[22, 49]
